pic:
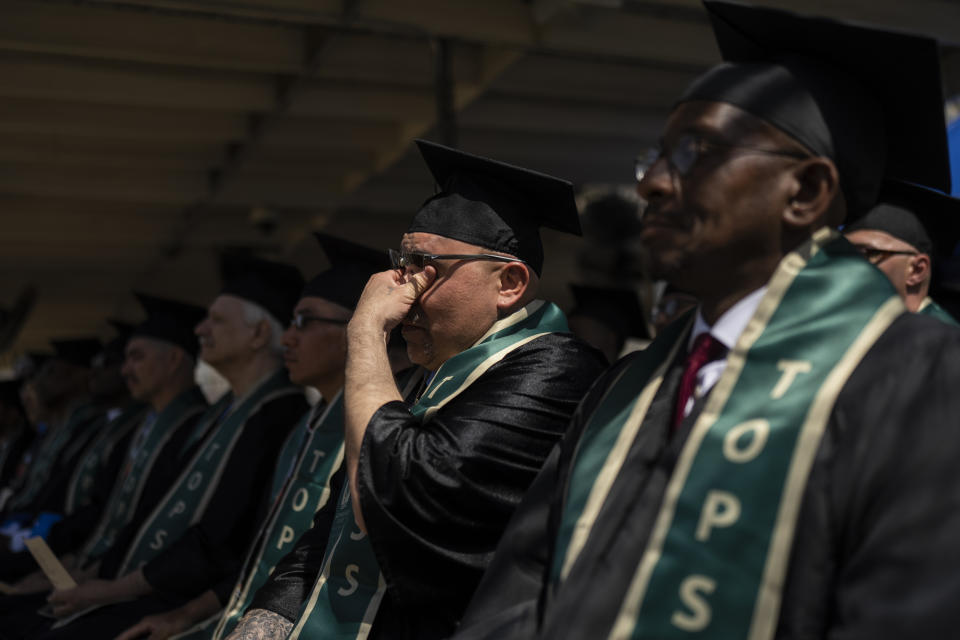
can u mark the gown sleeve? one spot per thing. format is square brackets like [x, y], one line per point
[68, 534]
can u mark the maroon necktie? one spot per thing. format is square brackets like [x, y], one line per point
[706, 349]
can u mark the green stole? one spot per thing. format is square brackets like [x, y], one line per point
[187, 499]
[49, 451]
[346, 596]
[97, 453]
[930, 308]
[155, 430]
[301, 486]
[717, 557]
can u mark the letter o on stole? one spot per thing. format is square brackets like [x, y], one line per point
[300, 499]
[732, 449]
[195, 481]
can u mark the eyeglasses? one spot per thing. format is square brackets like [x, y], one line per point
[875, 256]
[302, 320]
[403, 259]
[684, 153]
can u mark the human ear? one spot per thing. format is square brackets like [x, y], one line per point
[918, 269]
[261, 335]
[813, 186]
[514, 279]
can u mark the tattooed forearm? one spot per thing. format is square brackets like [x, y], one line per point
[260, 624]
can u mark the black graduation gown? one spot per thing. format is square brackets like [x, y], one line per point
[212, 549]
[54, 490]
[16, 448]
[21, 470]
[69, 534]
[875, 554]
[214, 546]
[165, 470]
[436, 497]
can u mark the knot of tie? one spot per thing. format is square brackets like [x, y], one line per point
[705, 349]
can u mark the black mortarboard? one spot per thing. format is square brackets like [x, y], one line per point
[113, 350]
[171, 321]
[124, 329]
[924, 218]
[869, 99]
[272, 285]
[78, 351]
[492, 204]
[351, 265]
[617, 308]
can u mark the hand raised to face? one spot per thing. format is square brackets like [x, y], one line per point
[388, 296]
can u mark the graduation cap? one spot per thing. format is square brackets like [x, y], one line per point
[869, 99]
[113, 350]
[924, 218]
[493, 205]
[275, 286]
[170, 321]
[77, 351]
[616, 308]
[123, 328]
[351, 265]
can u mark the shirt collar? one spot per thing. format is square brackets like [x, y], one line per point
[730, 325]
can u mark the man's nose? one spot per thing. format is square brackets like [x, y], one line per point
[657, 180]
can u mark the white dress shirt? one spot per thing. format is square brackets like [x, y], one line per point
[727, 330]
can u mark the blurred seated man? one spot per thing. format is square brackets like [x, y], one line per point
[72, 490]
[15, 431]
[307, 476]
[196, 534]
[781, 462]
[63, 394]
[26, 369]
[160, 356]
[903, 236]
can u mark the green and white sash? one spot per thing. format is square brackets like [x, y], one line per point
[311, 456]
[346, 596]
[930, 308]
[155, 430]
[187, 499]
[110, 432]
[716, 561]
[49, 451]
[456, 374]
